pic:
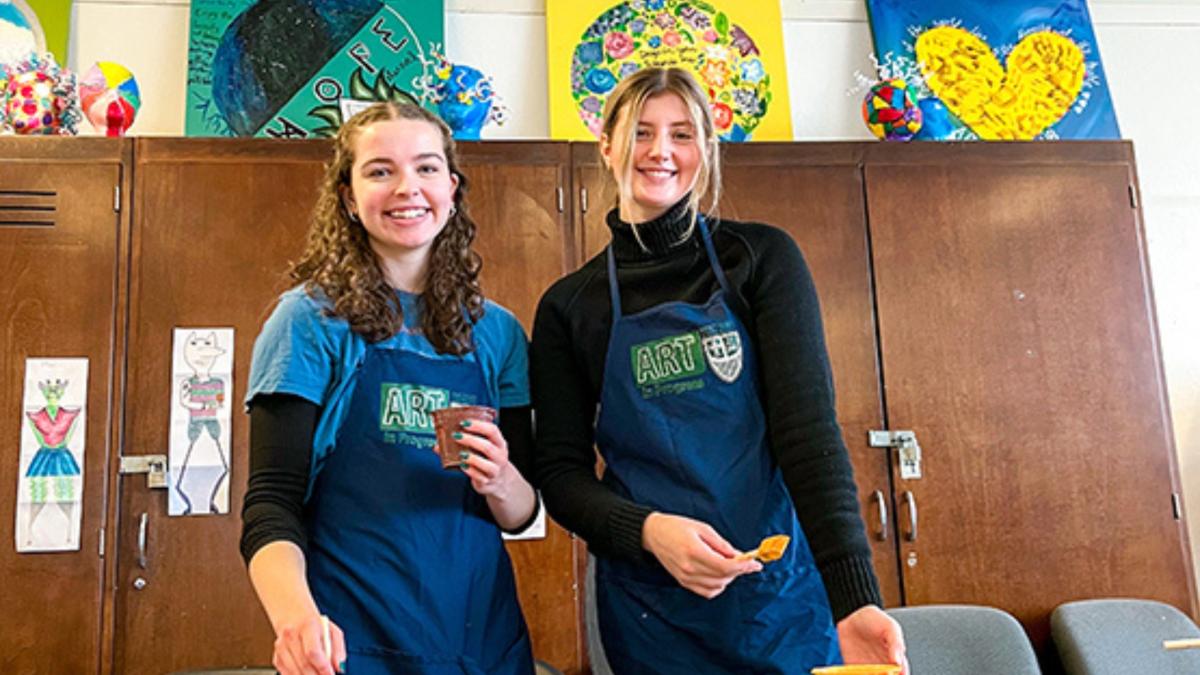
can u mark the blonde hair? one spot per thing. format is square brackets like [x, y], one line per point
[626, 102]
[340, 263]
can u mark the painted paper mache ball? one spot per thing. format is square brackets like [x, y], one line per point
[39, 98]
[110, 98]
[891, 112]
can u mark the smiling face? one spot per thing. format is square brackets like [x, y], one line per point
[401, 187]
[665, 157]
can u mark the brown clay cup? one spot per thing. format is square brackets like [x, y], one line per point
[446, 421]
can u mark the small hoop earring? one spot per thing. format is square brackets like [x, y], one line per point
[453, 210]
[353, 216]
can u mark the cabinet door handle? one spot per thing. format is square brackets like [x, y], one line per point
[883, 516]
[143, 525]
[911, 501]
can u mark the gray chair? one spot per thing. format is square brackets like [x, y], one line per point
[965, 640]
[1119, 636]
[596, 658]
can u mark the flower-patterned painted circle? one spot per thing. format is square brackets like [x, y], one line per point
[692, 35]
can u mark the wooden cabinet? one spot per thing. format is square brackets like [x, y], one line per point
[60, 251]
[1017, 340]
[993, 298]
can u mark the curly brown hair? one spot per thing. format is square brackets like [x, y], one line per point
[339, 262]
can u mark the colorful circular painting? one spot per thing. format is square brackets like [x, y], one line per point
[691, 35]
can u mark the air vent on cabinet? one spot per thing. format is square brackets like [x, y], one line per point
[28, 208]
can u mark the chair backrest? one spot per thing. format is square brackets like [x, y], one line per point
[965, 640]
[1122, 636]
[591, 622]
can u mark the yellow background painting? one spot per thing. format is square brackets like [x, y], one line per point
[735, 50]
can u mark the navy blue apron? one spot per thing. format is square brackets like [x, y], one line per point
[404, 555]
[682, 430]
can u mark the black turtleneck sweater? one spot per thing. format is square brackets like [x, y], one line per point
[776, 300]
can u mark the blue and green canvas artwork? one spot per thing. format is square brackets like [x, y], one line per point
[296, 68]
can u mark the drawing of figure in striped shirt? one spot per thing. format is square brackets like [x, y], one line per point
[203, 395]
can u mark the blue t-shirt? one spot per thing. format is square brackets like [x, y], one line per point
[303, 352]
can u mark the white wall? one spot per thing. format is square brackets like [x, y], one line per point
[1148, 46]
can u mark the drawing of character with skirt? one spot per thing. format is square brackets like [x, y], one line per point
[53, 474]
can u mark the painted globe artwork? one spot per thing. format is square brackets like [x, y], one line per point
[109, 96]
[694, 36]
[891, 112]
[465, 101]
[937, 123]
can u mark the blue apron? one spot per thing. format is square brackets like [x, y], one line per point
[682, 430]
[404, 555]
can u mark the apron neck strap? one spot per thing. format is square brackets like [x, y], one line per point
[614, 293]
[712, 254]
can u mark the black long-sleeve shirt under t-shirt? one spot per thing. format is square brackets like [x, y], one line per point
[775, 298]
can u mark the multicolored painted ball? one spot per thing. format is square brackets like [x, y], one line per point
[891, 112]
[32, 107]
[109, 96]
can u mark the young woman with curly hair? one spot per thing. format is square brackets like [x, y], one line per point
[359, 544]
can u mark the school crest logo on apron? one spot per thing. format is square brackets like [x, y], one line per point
[723, 351]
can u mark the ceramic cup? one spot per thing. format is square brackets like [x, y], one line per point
[447, 421]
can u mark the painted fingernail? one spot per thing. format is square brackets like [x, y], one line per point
[462, 465]
[342, 667]
[465, 423]
[458, 436]
[464, 455]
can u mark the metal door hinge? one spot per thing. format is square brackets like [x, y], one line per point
[558, 193]
[908, 450]
[1133, 200]
[583, 206]
[101, 551]
[117, 198]
[1176, 506]
[154, 466]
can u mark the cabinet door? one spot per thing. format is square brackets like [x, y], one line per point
[216, 224]
[595, 195]
[59, 234]
[816, 196]
[814, 193]
[526, 242]
[219, 222]
[1018, 343]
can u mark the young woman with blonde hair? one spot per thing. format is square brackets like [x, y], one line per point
[691, 354]
[365, 553]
